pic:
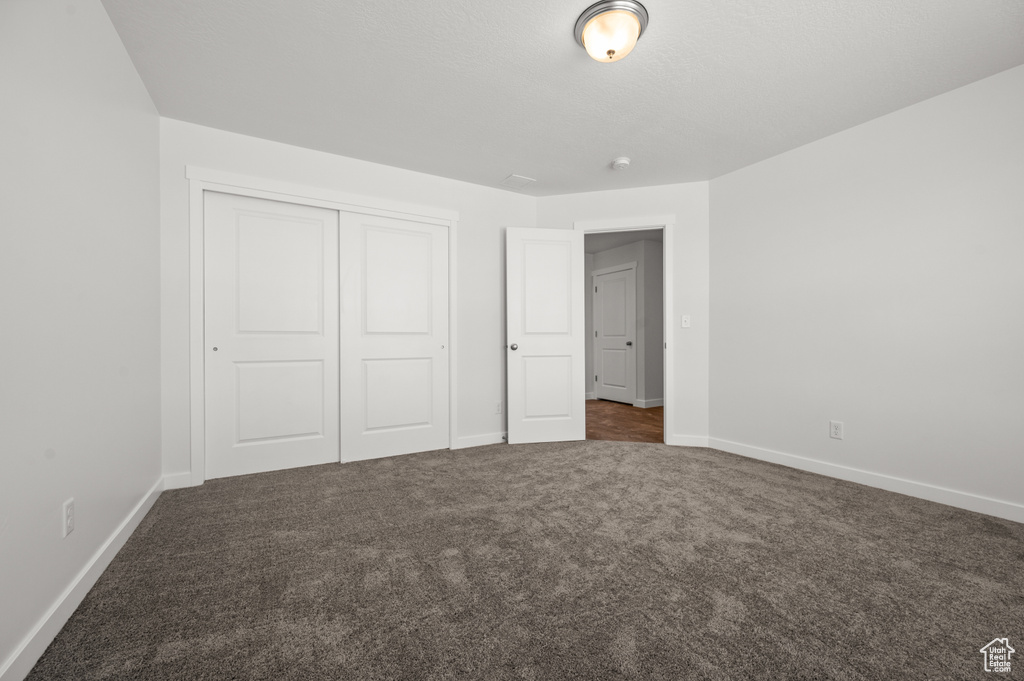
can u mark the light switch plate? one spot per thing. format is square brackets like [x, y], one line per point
[686, 321]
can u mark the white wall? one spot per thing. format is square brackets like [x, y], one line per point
[689, 202]
[483, 215]
[79, 304]
[876, 277]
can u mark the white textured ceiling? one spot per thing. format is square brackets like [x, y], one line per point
[478, 89]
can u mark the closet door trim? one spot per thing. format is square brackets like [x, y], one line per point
[202, 180]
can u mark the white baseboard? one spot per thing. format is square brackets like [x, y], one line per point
[589, 396]
[687, 440]
[25, 656]
[479, 440]
[178, 480]
[647, 404]
[921, 490]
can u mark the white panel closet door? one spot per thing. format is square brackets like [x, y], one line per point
[394, 302]
[546, 335]
[615, 335]
[271, 310]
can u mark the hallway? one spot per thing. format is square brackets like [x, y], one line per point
[624, 423]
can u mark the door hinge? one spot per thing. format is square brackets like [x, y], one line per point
[595, 377]
[595, 289]
[595, 334]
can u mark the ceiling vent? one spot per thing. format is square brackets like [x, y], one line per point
[517, 181]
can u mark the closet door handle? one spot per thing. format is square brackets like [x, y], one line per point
[629, 342]
[513, 347]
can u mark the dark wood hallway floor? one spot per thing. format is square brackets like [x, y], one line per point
[624, 423]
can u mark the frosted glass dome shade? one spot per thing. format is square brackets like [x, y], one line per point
[611, 36]
[608, 30]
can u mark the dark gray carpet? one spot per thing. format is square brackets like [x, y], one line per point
[589, 560]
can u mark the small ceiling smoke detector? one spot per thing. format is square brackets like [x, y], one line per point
[517, 181]
[621, 163]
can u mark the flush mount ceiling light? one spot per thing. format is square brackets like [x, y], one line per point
[608, 30]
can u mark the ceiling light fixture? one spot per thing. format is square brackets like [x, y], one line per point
[608, 30]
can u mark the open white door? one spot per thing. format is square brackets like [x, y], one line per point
[546, 335]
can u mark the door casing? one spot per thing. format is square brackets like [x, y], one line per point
[666, 223]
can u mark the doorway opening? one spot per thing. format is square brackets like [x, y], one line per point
[625, 358]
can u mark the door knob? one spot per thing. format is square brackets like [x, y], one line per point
[514, 347]
[629, 342]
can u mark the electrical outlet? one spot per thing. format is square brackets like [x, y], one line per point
[835, 430]
[68, 517]
[497, 410]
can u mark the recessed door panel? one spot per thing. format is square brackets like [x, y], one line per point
[613, 308]
[271, 334]
[279, 400]
[547, 300]
[280, 273]
[548, 387]
[545, 351]
[399, 393]
[394, 277]
[612, 368]
[398, 281]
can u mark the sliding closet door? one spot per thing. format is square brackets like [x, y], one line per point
[271, 332]
[394, 344]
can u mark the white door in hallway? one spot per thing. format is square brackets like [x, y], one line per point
[271, 335]
[394, 302]
[545, 335]
[615, 335]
